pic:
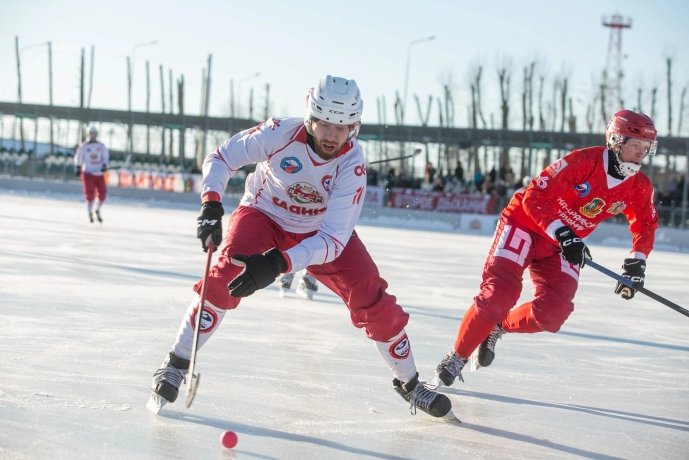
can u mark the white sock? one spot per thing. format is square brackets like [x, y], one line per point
[397, 354]
[211, 316]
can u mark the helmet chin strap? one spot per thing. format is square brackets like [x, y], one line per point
[626, 168]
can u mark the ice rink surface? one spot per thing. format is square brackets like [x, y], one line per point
[88, 312]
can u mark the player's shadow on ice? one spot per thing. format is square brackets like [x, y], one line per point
[607, 338]
[681, 425]
[251, 430]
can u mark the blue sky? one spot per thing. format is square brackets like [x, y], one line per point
[292, 43]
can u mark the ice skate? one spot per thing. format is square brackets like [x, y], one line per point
[91, 217]
[418, 395]
[449, 369]
[285, 283]
[98, 216]
[307, 287]
[166, 382]
[486, 351]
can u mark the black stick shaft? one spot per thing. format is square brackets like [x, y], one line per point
[642, 290]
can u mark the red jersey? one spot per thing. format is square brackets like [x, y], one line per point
[577, 191]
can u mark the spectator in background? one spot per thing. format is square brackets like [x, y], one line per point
[372, 176]
[429, 173]
[459, 173]
[91, 162]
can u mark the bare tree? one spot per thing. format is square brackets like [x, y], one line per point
[541, 112]
[563, 103]
[475, 85]
[681, 110]
[180, 107]
[668, 61]
[639, 93]
[504, 77]
[590, 110]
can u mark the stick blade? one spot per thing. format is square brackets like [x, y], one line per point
[191, 389]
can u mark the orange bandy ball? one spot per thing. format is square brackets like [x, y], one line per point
[228, 439]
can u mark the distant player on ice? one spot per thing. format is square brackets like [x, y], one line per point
[542, 229]
[91, 162]
[298, 211]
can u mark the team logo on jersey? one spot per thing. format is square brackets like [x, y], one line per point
[291, 165]
[582, 189]
[592, 208]
[273, 123]
[400, 349]
[360, 170]
[326, 182]
[209, 319]
[303, 193]
[617, 207]
[555, 168]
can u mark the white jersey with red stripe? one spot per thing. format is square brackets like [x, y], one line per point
[300, 191]
[92, 156]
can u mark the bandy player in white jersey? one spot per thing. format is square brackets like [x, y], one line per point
[298, 211]
[90, 163]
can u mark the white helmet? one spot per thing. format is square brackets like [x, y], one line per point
[92, 130]
[335, 100]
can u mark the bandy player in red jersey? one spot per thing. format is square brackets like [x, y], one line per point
[298, 212]
[542, 229]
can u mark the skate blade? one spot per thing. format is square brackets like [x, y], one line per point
[305, 294]
[155, 403]
[191, 389]
[450, 417]
[473, 361]
[283, 292]
[435, 383]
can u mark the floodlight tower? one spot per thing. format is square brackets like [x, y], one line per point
[613, 73]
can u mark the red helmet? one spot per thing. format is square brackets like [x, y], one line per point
[625, 124]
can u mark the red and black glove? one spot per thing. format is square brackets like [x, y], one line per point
[260, 270]
[634, 270]
[209, 224]
[573, 249]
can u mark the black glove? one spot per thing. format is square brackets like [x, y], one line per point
[209, 224]
[78, 171]
[634, 271]
[260, 270]
[573, 249]
[104, 168]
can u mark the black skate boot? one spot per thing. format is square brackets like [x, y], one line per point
[418, 395]
[285, 283]
[91, 217]
[307, 287]
[98, 216]
[486, 351]
[166, 381]
[449, 369]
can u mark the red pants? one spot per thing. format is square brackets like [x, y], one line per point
[555, 281]
[353, 276]
[94, 185]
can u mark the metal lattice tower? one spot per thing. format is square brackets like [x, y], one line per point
[613, 73]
